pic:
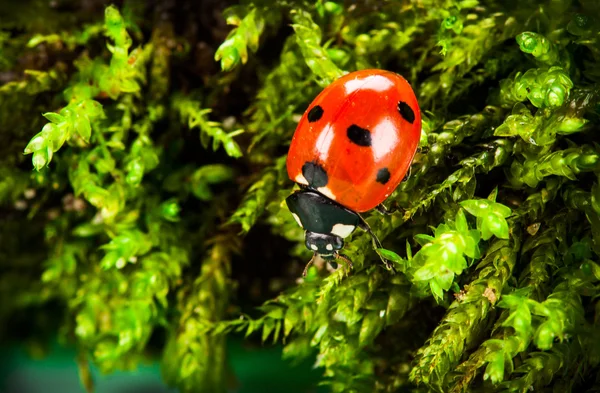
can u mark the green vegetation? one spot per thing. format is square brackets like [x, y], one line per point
[142, 187]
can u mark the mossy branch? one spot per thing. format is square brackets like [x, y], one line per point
[308, 37]
[246, 35]
[466, 316]
[94, 78]
[201, 361]
[191, 112]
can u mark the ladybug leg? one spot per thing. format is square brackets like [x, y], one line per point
[312, 260]
[385, 211]
[408, 173]
[376, 243]
[382, 209]
[365, 227]
[394, 208]
[345, 259]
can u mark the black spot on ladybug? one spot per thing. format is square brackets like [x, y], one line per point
[406, 112]
[314, 174]
[314, 114]
[359, 136]
[383, 176]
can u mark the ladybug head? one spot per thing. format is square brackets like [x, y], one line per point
[323, 244]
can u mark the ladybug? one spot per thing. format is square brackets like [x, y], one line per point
[352, 148]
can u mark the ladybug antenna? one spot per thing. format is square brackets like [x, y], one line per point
[330, 258]
[312, 260]
[345, 259]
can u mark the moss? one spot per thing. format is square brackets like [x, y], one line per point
[146, 217]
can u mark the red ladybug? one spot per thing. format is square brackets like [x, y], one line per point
[351, 149]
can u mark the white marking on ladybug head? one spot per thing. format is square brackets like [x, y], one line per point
[329, 247]
[327, 192]
[300, 179]
[342, 230]
[314, 247]
[297, 219]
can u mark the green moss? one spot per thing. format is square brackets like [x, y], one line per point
[146, 217]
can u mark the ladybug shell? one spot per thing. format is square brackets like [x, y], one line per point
[356, 140]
